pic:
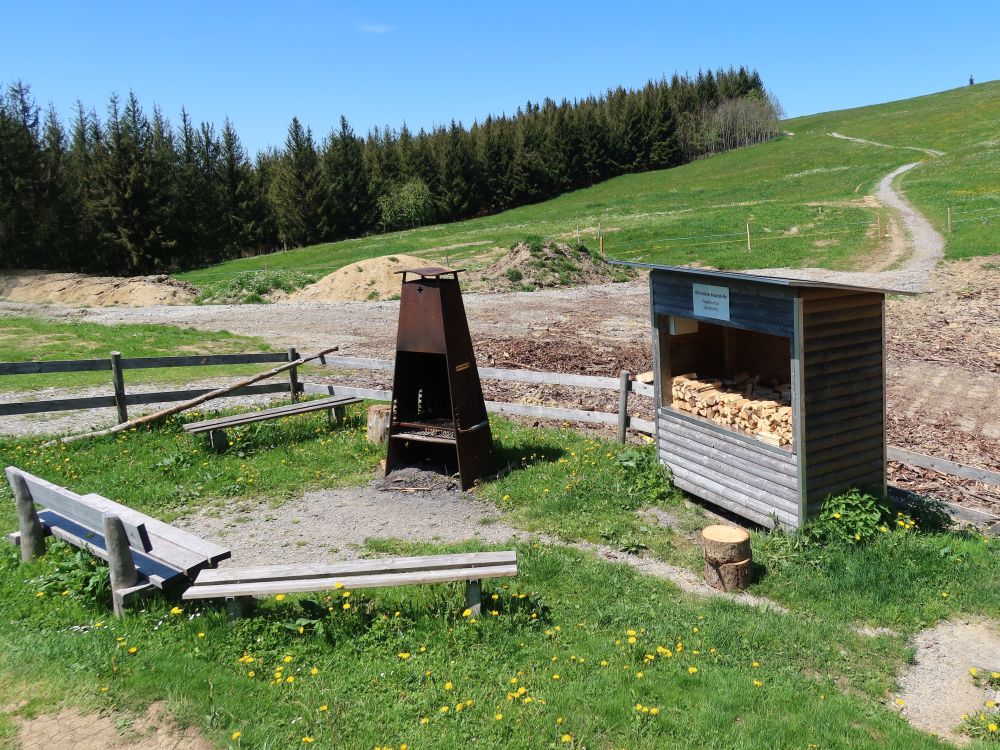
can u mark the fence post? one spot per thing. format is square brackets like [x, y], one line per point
[949, 221]
[293, 374]
[118, 378]
[624, 386]
[748, 237]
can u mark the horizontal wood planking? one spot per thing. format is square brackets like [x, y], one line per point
[552, 412]
[356, 567]
[202, 360]
[702, 486]
[782, 456]
[643, 389]
[642, 425]
[303, 407]
[737, 483]
[751, 306]
[57, 365]
[764, 519]
[354, 582]
[945, 467]
[56, 404]
[711, 457]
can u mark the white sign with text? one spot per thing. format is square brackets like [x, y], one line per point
[711, 301]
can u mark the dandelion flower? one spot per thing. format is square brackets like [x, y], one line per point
[466, 613]
[251, 674]
[757, 683]
[444, 709]
[287, 659]
[639, 675]
[324, 708]
[404, 655]
[992, 727]
[692, 670]
[425, 720]
[347, 605]
[448, 685]
[756, 665]
[201, 635]
[176, 611]
[654, 711]
[567, 738]
[498, 717]
[973, 671]
[290, 678]
[279, 598]
[236, 735]
[314, 671]
[308, 740]
[133, 650]
[556, 677]
[900, 702]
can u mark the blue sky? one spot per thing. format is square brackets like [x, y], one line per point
[260, 63]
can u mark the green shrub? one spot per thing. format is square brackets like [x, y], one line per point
[514, 275]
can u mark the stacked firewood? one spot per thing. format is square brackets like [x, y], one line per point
[741, 403]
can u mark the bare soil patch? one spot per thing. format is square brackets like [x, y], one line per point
[372, 279]
[937, 688]
[73, 729]
[81, 289]
[541, 266]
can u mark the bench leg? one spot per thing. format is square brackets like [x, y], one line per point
[121, 564]
[238, 607]
[32, 533]
[218, 440]
[341, 412]
[474, 596]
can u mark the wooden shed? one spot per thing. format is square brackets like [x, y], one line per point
[770, 392]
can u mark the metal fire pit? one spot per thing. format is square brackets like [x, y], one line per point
[439, 421]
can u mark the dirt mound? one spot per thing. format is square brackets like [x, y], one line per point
[372, 279]
[537, 265]
[79, 289]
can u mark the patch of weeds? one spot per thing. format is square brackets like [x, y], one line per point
[252, 287]
[514, 275]
[70, 571]
[372, 295]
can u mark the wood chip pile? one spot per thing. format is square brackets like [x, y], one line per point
[740, 403]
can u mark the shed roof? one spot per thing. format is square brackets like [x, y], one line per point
[709, 274]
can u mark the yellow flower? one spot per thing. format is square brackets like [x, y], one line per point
[973, 671]
[639, 675]
[290, 678]
[444, 709]
[40, 594]
[900, 702]
[279, 598]
[555, 677]
[756, 665]
[308, 740]
[567, 738]
[314, 671]
[836, 515]
[466, 613]
[559, 721]
[287, 659]
[991, 704]
[692, 670]
[757, 683]
[324, 708]
[654, 711]
[347, 605]
[346, 594]
[201, 635]
[176, 611]
[251, 673]
[338, 585]
[404, 655]
[632, 639]
[425, 720]
[604, 663]
[498, 717]
[448, 685]
[630, 632]
[132, 650]
[236, 735]
[992, 727]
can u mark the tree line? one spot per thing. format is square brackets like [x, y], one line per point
[133, 193]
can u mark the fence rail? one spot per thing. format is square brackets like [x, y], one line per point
[623, 384]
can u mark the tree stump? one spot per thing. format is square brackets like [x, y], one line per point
[378, 424]
[728, 563]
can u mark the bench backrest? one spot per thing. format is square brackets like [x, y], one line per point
[87, 510]
[162, 552]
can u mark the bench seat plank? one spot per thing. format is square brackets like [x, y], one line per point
[288, 586]
[277, 412]
[351, 568]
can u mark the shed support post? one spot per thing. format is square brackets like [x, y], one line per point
[118, 378]
[624, 386]
[32, 532]
[120, 561]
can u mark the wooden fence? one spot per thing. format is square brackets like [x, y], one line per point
[117, 365]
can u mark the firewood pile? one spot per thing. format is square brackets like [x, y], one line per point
[741, 403]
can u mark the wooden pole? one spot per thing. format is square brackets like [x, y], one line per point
[624, 386]
[118, 378]
[949, 221]
[120, 562]
[601, 238]
[32, 532]
[748, 237]
[293, 374]
[878, 235]
[217, 393]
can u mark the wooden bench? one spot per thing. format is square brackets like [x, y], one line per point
[216, 428]
[142, 552]
[238, 586]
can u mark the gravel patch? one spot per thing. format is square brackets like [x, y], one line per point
[937, 687]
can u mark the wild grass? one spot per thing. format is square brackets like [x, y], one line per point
[801, 194]
[717, 673]
[32, 338]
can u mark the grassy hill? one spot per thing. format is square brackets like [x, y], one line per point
[803, 196]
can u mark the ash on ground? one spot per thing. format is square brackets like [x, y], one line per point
[412, 479]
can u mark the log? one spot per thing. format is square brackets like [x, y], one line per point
[217, 393]
[378, 423]
[729, 576]
[725, 544]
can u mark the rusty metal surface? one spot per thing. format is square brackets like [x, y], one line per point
[436, 382]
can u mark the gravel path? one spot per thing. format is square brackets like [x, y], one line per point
[928, 151]
[937, 688]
